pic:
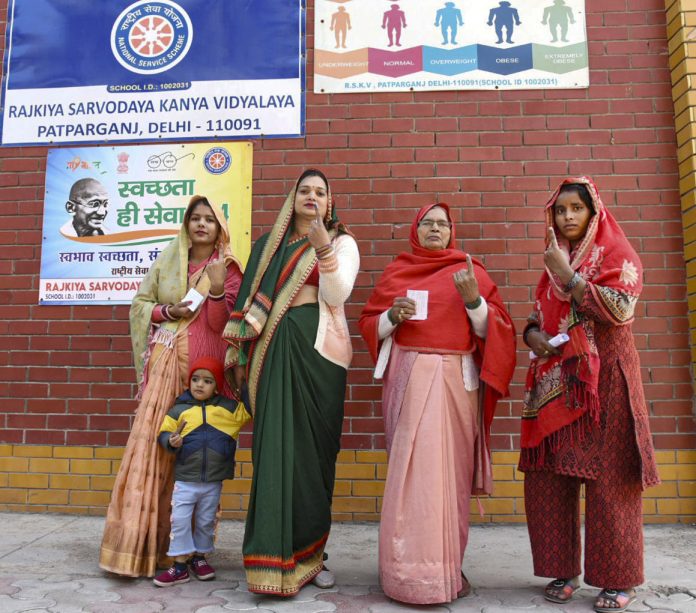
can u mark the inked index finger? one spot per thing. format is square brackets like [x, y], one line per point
[552, 237]
[469, 264]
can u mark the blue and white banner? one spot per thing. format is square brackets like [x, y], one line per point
[151, 70]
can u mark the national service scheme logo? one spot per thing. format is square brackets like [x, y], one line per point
[151, 36]
[217, 160]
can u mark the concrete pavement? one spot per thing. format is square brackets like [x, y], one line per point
[49, 563]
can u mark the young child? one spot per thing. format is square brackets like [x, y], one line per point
[201, 429]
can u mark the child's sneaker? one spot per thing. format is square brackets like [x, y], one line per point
[201, 569]
[172, 577]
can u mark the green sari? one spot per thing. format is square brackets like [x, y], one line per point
[297, 401]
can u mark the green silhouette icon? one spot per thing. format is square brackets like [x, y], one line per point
[558, 15]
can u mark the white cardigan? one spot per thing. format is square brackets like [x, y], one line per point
[336, 279]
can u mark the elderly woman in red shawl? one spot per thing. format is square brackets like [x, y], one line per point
[444, 370]
[585, 418]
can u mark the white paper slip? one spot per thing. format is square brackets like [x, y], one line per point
[195, 297]
[556, 341]
[421, 299]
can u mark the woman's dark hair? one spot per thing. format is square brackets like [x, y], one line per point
[581, 191]
[313, 172]
[195, 201]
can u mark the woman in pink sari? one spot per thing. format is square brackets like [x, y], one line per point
[444, 372]
[167, 337]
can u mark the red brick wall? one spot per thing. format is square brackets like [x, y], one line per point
[65, 372]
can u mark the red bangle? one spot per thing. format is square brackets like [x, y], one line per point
[165, 311]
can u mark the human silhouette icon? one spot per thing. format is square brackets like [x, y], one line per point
[505, 17]
[448, 19]
[558, 15]
[393, 20]
[340, 24]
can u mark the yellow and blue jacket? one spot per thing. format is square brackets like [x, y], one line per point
[210, 436]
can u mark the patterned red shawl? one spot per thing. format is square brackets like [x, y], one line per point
[562, 391]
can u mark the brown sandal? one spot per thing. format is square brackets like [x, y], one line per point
[466, 587]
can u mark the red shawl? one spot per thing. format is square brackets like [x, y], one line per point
[563, 390]
[447, 329]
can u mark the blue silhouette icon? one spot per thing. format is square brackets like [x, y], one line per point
[393, 21]
[449, 18]
[558, 15]
[504, 15]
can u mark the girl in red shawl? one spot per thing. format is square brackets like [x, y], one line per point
[444, 371]
[585, 418]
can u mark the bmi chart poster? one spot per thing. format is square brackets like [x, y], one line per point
[422, 45]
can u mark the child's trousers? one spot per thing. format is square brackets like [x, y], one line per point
[197, 501]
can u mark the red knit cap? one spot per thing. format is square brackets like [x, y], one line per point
[211, 364]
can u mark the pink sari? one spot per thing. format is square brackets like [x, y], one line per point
[137, 526]
[432, 425]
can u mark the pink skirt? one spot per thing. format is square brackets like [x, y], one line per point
[425, 512]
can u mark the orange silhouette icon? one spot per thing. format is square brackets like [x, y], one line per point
[340, 24]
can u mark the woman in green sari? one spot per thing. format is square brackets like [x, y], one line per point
[290, 345]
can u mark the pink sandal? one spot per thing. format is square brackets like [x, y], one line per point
[622, 598]
[566, 587]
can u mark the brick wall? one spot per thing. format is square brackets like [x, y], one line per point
[681, 19]
[66, 381]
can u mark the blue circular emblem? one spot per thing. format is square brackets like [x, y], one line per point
[217, 160]
[151, 36]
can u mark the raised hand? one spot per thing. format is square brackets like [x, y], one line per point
[217, 272]
[465, 282]
[556, 259]
[318, 236]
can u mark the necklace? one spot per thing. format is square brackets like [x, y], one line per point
[296, 238]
